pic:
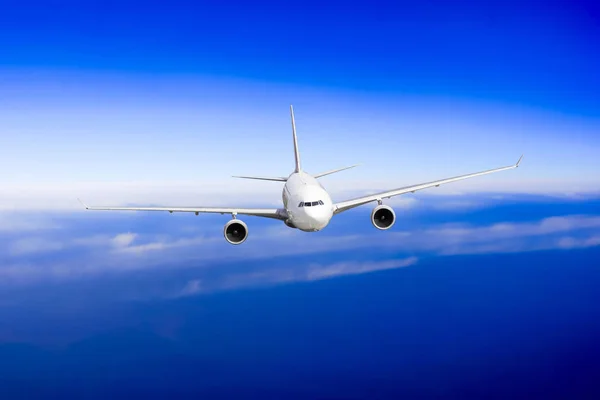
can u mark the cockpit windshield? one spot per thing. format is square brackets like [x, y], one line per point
[311, 203]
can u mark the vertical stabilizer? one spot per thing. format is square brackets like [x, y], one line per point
[296, 152]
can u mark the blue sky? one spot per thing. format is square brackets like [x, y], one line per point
[488, 280]
[102, 98]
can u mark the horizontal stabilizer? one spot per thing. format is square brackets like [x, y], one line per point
[335, 170]
[263, 178]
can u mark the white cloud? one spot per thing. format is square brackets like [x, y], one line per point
[402, 202]
[166, 244]
[456, 204]
[192, 287]
[37, 244]
[511, 230]
[124, 239]
[296, 273]
[132, 251]
[577, 243]
[506, 237]
[24, 222]
[517, 246]
[63, 196]
[33, 245]
[244, 193]
[317, 272]
[128, 251]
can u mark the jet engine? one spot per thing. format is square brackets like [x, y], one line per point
[235, 231]
[383, 217]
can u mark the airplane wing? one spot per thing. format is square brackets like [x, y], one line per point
[276, 213]
[348, 204]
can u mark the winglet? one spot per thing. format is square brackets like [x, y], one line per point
[519, 162]
[83, 204]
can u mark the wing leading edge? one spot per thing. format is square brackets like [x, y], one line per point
[276, 213]
[348, 204]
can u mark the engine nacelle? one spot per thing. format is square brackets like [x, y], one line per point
[383, 217]
[235, 231]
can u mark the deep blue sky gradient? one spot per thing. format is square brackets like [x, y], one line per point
[521, 324]
[536, 53]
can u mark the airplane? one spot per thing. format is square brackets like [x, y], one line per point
[306, 204]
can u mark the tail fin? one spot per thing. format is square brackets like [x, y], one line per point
[296, 152]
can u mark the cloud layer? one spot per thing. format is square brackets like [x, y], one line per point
[47, 248]
[241, 193]
[298, 273]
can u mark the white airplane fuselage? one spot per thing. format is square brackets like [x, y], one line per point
[307, 203]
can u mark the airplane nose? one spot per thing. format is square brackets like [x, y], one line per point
[319, 216]
[313, 211]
